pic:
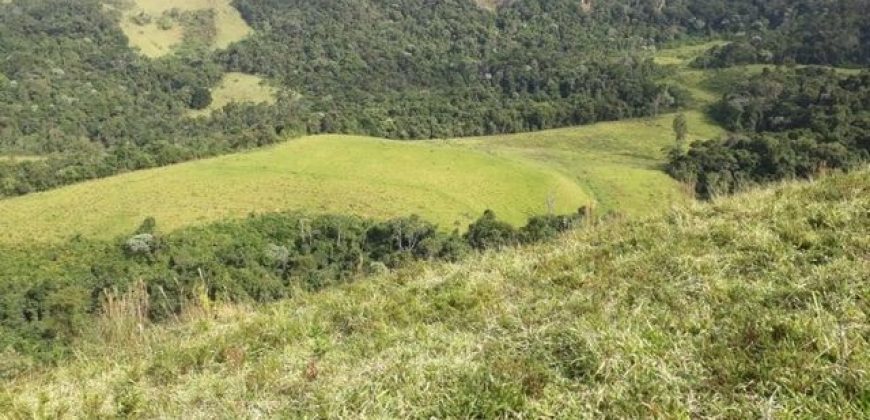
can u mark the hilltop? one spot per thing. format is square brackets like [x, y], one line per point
[748, 306]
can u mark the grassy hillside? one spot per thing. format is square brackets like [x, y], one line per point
[747, 307]
[619, 163]
[329, 174]
[615, 166]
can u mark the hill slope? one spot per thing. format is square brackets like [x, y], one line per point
[447, 182]
[328, 174]
[746, 307]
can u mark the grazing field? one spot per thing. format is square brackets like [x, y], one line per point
[238, 88]
[749, 307]
[613, 166]
[323, 174]
[154, 41]
[619, 163]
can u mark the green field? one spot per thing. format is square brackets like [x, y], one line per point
[618, 163]
[748, 307]
[331, 174]
[614, 166]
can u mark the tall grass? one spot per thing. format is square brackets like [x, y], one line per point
[746, 307]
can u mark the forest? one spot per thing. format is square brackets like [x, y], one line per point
[833, 33]
[787, 123]
[73, 93]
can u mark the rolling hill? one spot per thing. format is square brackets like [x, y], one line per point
[323, 174]
[748, 307]
[449, 182]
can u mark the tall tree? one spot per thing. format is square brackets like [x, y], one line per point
[681, 130]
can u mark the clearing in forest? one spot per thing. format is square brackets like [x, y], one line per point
[239, 88]
[155, 26]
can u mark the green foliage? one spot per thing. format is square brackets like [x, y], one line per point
[681, 130]
[200, 98]
[79, 96]
[803, 31]
[488, 232]
[793, 124]
[48, 292]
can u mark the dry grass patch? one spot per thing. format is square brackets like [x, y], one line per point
[154, 41]
[239, 88]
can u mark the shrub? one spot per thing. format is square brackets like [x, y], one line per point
[488, 232]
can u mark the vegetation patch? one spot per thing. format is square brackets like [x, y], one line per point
[156, 27]
[238, 88]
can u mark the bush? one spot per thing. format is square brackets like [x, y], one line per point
[140, 244]
[488, 232]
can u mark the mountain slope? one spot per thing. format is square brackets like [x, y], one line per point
[749, 306]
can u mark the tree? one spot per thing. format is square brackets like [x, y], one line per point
[681, 130]
[200, 98]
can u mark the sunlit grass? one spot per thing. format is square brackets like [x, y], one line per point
[747, 307]
[322, 174]
[614, 166]
[239, 88]
[620, 163]
[154, 42]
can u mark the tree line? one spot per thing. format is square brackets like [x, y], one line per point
[48, 293]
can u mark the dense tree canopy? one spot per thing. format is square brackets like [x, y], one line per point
[72, 90]
[47, 291]
[829, 32]
[791, 123]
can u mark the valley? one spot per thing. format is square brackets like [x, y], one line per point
[434, 209]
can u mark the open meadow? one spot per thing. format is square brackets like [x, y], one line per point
[322, 174]
[238, 88]
[449, 182]
[154, 41]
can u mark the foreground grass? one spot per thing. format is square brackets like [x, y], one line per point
[748, 307]
[323, 174]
